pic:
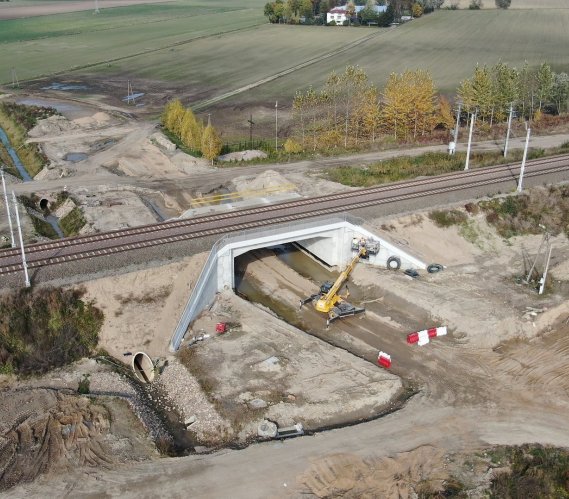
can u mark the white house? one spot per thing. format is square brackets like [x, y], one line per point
[339, 14]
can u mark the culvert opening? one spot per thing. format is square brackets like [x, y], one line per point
[143, 367]
[44, 204]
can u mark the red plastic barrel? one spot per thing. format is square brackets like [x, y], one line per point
[412, 338]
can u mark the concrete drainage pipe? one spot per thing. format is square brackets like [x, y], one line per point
[143, 367]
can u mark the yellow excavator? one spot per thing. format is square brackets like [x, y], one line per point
[329, 301]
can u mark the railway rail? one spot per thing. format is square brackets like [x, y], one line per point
[108, 243]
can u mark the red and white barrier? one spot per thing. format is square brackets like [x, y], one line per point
[384, 360]
[423, 337]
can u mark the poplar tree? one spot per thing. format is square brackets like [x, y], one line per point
[211, 143]
[397, 107]
[445, 118]
[173, 115]
[506, 89]
[352, 82]
[545, 79]
[191, 131]
[370, 111]
[477, 93]
[560, 92]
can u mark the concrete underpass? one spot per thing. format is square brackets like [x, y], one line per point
[327, 239]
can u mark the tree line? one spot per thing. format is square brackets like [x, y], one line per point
[349, 109]
[491, 90]
[314, 11]
[191, 132]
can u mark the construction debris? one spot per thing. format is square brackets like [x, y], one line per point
[267, 429]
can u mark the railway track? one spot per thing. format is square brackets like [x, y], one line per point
[108, 243]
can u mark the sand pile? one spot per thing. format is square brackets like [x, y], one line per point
[52, 126]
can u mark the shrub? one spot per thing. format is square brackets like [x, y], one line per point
[84, 385]
[46, 328]
[534, 471]
[446, 218]
[291, 146]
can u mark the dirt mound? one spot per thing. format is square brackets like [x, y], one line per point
[52, 126]
[97, 119]
[267, 179]
[44, 431]
[349, 475]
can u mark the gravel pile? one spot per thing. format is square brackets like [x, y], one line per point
[189, 400]
[113, 384]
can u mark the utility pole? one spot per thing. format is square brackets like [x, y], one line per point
[15, 82]
[509, 128]
[472, 118]
[544, 277]
[8, 209]
[251, 123]
[96, 6]
[276, 125]
[522, 169]
[24, 264]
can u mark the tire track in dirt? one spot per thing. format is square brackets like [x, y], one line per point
[543, 365]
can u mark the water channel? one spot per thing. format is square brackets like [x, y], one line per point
[17, 163]
[50, 219]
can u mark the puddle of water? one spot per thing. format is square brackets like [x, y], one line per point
[66, 87]
[23, 172]
[132, 97]
[75, 157]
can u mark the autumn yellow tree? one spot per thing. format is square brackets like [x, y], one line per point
[409, 104]
[366, 115]
[445, 118]
[211, 143]
[173, 115]
[191, 131]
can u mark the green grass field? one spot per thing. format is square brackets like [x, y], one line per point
[516, 4]
[205, 49]
[450, 44]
